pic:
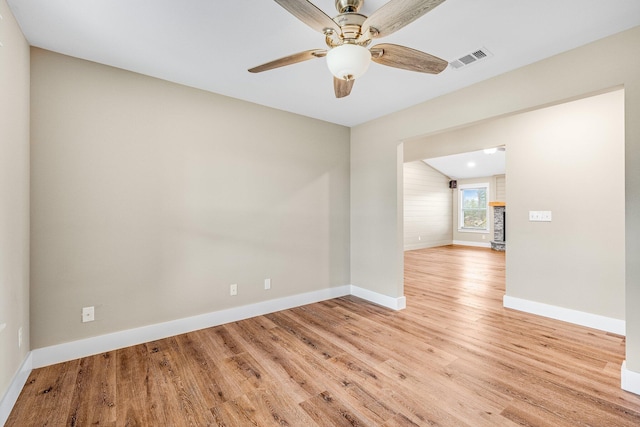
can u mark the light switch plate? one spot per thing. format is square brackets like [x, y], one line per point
[540, 216]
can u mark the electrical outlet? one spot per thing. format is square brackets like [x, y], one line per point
[267, 283]
[20, 337]
[233, 289]
[88, 314]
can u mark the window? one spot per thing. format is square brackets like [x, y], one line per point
[473, 207]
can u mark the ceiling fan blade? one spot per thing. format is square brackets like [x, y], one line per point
[397, 56]
[309, 13]
[288, 60]
[395, 15]
[342, 87]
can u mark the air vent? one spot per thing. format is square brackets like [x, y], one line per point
[470, 58]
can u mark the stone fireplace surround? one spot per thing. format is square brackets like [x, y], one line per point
[499, 242]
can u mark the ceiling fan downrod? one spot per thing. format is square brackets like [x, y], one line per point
[348, 6]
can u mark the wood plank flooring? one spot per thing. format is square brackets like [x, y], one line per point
[454, 357]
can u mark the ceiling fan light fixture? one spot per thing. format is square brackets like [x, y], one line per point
[348, 61]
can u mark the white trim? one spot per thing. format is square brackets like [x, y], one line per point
[475, 244]
[399, 303]
[474, 230]
[11, 395]
[99, 344]
[581, 318]
[630, 380]
[419, 245]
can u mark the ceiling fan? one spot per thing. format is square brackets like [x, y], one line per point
[349, 33]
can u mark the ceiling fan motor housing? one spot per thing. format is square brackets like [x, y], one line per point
[350, 29]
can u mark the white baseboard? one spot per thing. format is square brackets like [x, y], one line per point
[474, 244]
[46, 356]
[630, 380]
[399, 303]
[416, 246]
[11, 396]
[99, 344]
[581, 318]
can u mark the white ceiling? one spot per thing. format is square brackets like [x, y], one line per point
[469, 165]
[210, 44]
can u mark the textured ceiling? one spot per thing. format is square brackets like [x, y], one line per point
[210, 44]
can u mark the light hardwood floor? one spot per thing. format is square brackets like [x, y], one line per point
[454, 357]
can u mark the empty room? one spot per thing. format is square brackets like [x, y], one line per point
[200, 226]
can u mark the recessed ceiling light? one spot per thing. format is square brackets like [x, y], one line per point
[471, 164]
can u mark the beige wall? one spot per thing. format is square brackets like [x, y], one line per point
[577, 260]
[14, 196]
[427, 207]
[149, 199]
[571, 75]
[569, 159]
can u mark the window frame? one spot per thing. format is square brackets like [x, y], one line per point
[461, 227]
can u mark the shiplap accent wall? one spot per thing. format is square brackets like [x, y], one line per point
[501, 189]
[428, 204]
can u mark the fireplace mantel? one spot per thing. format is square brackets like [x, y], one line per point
[497, 204]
